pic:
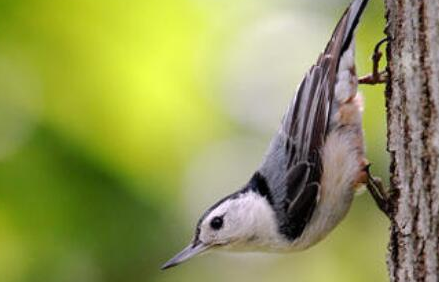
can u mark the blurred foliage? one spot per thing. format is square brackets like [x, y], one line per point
[119, 124]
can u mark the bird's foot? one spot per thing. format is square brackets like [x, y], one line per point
[378, 192]
[376, 77]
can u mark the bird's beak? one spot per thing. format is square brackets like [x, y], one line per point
[190, 251]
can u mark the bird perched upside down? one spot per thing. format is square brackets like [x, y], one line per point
[313, 166]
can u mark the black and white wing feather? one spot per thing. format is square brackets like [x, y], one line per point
[292, 167]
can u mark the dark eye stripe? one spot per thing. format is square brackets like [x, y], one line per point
[217, 222]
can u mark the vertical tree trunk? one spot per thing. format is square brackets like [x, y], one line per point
[413, 132]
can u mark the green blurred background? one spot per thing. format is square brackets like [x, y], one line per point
[122, 120]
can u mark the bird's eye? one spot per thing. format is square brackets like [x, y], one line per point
[216, 223]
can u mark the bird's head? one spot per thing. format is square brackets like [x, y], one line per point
[241, 221]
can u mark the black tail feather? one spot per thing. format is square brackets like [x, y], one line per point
[354, 11]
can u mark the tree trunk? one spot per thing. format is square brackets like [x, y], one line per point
[413, 138]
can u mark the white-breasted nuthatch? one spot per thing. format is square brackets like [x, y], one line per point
[313, 166]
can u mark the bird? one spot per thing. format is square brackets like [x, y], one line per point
[314, 165]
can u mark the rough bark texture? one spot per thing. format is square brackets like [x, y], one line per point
[413, 132]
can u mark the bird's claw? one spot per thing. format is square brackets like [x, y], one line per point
[378, 192]
[376, 77]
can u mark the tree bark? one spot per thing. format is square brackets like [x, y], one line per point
[413, 138]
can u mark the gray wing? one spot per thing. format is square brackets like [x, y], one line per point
[292, 166]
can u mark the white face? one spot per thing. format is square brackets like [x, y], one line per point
[226, 225]
[242, 223]
[246, 222]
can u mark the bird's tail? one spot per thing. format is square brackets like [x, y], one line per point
[344, 31]
[353, 14]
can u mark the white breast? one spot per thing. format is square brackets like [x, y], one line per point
[340, 170]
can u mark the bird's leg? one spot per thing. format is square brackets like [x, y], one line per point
[376, 76]
[379, 194]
